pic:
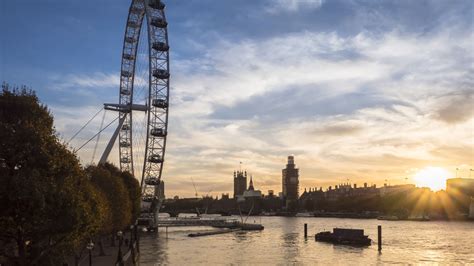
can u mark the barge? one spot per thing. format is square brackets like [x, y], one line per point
[353, 237]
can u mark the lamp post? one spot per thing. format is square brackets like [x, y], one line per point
[89, 247]
[131, 243]
[119, 256]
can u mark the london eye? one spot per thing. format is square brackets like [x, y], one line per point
[143, 100]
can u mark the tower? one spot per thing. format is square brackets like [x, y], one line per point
[251, 188]
[240, 182]
[290, 181]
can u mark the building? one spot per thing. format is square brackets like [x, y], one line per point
[387, 190]
[312, 194]
[251, 192]
[160, 190]
[461, 190]
[240, 183]
[471, 209]
[225, 196]
[271, 193]
[456, 186]
[290, 181]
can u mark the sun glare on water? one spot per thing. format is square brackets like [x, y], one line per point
[432, 177]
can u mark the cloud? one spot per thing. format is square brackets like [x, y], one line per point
[456, 107]
[367, 106]
[95, 80]
[276, 6]
[364, 106]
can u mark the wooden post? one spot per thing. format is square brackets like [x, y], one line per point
[305, 230]
[379, 229]
[137, 239]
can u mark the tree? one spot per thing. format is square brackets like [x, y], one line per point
[134, 193]
[132, 186]
[117, 196]
[46, 205]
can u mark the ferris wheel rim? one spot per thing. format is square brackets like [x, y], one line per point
[158, 90]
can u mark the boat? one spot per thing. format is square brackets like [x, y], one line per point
[419, 218]
[341, 236]
[251, 227]
[304, 214]
[388, 218]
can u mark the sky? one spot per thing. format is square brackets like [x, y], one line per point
[358, 91]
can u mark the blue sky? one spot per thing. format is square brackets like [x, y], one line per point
[360, 90]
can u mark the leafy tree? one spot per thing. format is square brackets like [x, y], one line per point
[134, 193]
[132, 186]
[117, 196]
[46, 206]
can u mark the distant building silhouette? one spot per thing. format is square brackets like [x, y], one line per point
[160, 192]
[240, 183]
[225, 196]
[464, 186]
[471, 209]
[251, 192]
[290, 181]
[461, 189]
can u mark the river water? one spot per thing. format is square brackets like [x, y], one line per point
[282, 242]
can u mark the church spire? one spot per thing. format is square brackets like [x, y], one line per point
[251, 184]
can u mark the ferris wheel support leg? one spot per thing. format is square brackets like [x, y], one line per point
[156, 212]
[107, 150]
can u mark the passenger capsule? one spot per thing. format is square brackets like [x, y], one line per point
[158, 132]
[124, 144]
[148, 198]
[155, 158]
[130, 39]
[126, 73]
[159, 22]
[159, 103]
[129, 56]
[157, 4]
[136, 10]
[133, 24]
[152, 181]
[160, 46]
[125, 91]
[161, 74]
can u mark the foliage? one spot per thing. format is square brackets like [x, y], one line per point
[112, 186]
[47, 205]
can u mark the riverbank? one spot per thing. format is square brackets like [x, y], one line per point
[124, 251]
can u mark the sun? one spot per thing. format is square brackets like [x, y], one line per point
[432, 177]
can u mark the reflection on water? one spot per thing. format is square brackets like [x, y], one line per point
[282, 242]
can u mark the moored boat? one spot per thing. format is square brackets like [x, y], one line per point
[353, 237]
[388, 218]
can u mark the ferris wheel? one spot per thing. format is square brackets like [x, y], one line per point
[143, 99]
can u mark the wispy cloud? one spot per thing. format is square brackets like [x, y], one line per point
[276, 6]
[95, 80]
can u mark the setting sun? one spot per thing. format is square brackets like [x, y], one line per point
[432, 177]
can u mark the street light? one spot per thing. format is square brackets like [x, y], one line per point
[131, 243]
[89, 247]
[119, 257]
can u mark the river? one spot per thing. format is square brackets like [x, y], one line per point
[282, 242]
